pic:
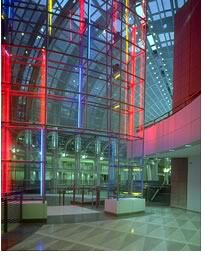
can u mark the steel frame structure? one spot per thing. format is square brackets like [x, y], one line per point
[76, 73]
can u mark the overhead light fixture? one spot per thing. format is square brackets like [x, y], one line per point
[117, 76]
[101, 158]
[116, 106]
[116, 71]
[171, 150]
[13, 150]
[188, 145]
[22, 34]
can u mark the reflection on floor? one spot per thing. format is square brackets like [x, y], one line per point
[68, 210]
[159, 229]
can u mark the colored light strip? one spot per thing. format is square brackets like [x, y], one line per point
[42, 162]
[82, 18]
[89, 10]
[141, 91]
[133, 83]
[81, 31]
[43, 118]
[7, 4]
[50, 7]
[115, 6]
[80, 99]
[43, 88]
[6, 136]
[127, 59]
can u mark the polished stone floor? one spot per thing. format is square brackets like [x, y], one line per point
[158, 229]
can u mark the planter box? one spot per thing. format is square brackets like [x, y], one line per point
[124, 205]
[34, 210]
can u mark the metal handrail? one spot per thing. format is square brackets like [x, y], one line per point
[157, 191]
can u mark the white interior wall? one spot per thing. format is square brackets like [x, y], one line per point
[194, 184]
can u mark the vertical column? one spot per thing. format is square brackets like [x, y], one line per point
[126, 60]
[97, 160]
[55, 159]
[133, 84]
[27, 167]
[81, 32]
[43, 124]
[77, 161]
[6, 136]
[50, 7]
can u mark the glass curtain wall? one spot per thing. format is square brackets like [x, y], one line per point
[73, 81]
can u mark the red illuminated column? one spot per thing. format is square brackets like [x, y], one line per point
[142, 76]
[82, 17]
[115, 6]
[43, 89]
[133, 83]
[43, 123]
[6, 136]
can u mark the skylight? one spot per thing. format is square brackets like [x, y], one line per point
[153, 7]
[167, 5]
[150, 39]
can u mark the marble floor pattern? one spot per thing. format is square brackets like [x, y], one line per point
[68, 210]
[158, 229]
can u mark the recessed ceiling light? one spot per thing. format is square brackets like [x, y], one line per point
[188, 145]
[165, 26]
[159, 82]
[150, 63]
[147, 57]
[151, 26]
[155, 73]
[160, 53]
[157, 77]
[164, 64]
[22, 34]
